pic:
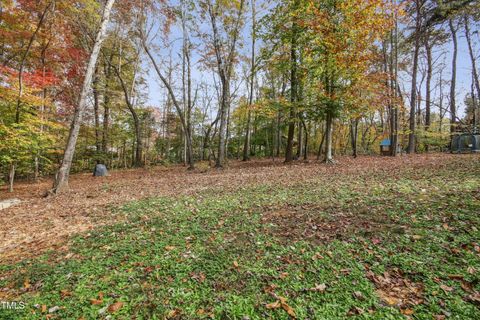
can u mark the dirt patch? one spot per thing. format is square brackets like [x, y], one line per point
[319, 224]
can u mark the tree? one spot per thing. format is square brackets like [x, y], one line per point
[61, 181]
[246, 147]
[418, 4]
[225, 53]
[453, 107]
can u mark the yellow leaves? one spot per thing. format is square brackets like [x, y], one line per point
[26, 284]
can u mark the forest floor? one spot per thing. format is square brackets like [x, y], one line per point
[373, 237]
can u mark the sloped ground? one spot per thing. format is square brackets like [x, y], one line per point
[373, 238]
[40, 223]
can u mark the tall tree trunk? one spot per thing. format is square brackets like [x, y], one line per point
[305, 146]
[329, 138]
[11, 177]
[393, 87]
[472, 55]
[96, 107]
[428, 50]
[320, 146]
[246, 147]
[300, 139]
[293, 87]
[278, 132]
[137, 160]
[413, 95]
[42, 111]
[225, 61]
[354, 135]
[453, 91]
[61, 181]
[187, 93]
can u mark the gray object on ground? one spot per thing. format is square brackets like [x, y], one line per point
[8, 203]
[100, 170]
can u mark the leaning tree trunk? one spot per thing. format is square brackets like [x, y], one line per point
[175, 102]
[61, 181]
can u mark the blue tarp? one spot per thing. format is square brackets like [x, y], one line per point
[385, 143]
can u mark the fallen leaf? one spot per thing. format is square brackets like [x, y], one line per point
[115, 307]
[53, 309]
[391, 301]
[407, 312]
[287, 308]
[358, 295]
[65, 293]
[97, 301]
[474, 297]
[466, 286]
[169, 248]
[319, 288]
[173, 313]
[26, 284]
[446, 288]
[355, 311]
[235, 264]
[274, 305]
[44, 308]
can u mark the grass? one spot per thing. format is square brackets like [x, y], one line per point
[372, 246]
